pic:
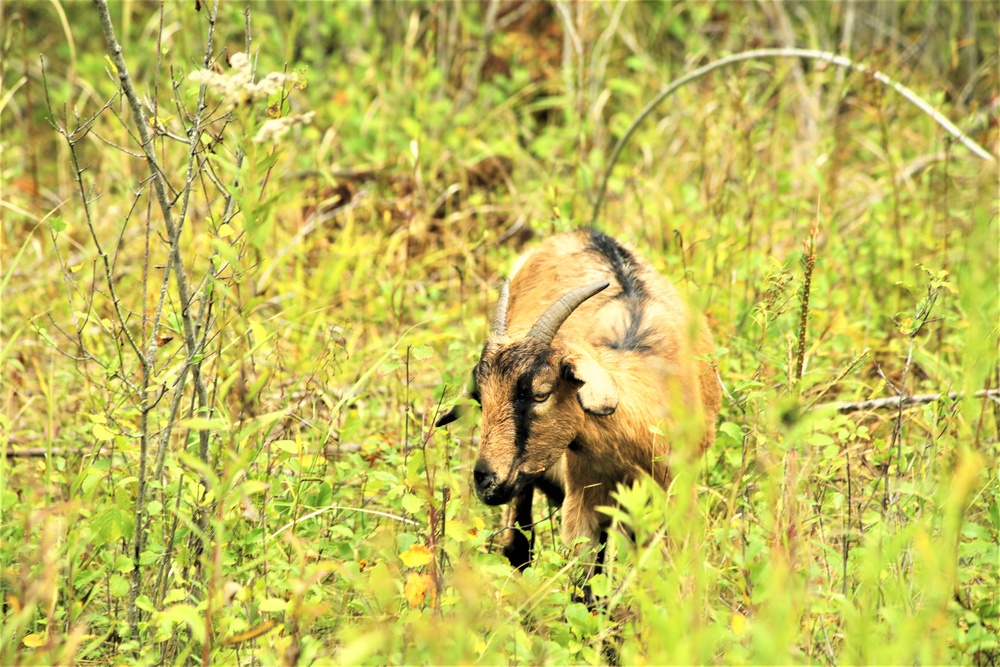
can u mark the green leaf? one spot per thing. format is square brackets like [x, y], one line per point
[175, 595]
[577, 615]
[148, 558]
[599, 585]
[820, 440]
[388, 367]
[57, 224]
[118, 586]
[144, 603]
[421, 352]
[108, 525]
[289, 446]
[124, 564]
[190, 616]
[732, 431]
[411, 503]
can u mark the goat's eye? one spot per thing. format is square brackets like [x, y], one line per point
[541, 396]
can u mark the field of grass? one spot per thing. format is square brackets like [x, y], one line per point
[235, 298]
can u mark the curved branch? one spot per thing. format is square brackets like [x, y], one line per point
[808, 54]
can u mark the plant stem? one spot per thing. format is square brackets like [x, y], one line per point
[808, 263]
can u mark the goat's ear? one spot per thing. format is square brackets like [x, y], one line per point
[448, 417]
[597, 392]
[472, 390]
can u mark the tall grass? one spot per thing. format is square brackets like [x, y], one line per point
[245, 469]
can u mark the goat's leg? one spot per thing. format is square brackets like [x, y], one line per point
[594, 567]
[517, 546]
[581, 519]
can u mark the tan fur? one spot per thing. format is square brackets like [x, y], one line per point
[665, 385]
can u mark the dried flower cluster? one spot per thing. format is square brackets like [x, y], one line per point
[238, 87]
[273, 130]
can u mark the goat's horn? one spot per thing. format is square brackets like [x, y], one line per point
[500, 315]
[548, 324]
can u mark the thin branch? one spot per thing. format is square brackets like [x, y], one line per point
[310, 515]
[173, 227]
[159, 182]
[809, 54]
[120, 149]
[109, 273]
[905, 401]
[42, 452]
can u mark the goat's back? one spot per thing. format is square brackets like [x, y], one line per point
[640, 329]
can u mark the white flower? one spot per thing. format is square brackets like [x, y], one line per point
[272, 131]
[238, 86]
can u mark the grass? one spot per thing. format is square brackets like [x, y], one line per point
[265, 484]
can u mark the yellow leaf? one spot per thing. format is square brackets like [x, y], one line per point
[739, 624]
[107, 59]
[416, 587]
[250, 634]
[225, 231]
[416, 556]
[273, 605]
[76, 268]
[204, 424]
[34, 641]
[967, 472]
[289, 446]
[478, 522]
[102, 433]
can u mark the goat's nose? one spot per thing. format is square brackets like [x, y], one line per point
[485, 478]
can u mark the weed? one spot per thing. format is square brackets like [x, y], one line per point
[227, 331]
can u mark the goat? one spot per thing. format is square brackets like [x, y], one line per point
[570, 383]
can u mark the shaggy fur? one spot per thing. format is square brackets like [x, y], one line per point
[573, 418]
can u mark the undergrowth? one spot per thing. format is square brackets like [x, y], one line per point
[221, 372]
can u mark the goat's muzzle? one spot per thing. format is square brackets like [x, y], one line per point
[495, 491]
[489, 487]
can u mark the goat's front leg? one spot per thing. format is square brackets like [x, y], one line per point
[581, 519]
[517, 547]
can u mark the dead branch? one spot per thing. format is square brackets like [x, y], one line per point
[42, 452]
[905, 401]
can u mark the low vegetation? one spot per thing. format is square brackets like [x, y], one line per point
[238, 290]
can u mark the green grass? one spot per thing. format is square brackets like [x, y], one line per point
[311, 514]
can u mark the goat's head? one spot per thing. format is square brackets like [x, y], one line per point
[534, 396]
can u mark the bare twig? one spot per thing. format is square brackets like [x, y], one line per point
[42, 452]
[159, 182]
[173, 226]
[905, 401]
[920, 319]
